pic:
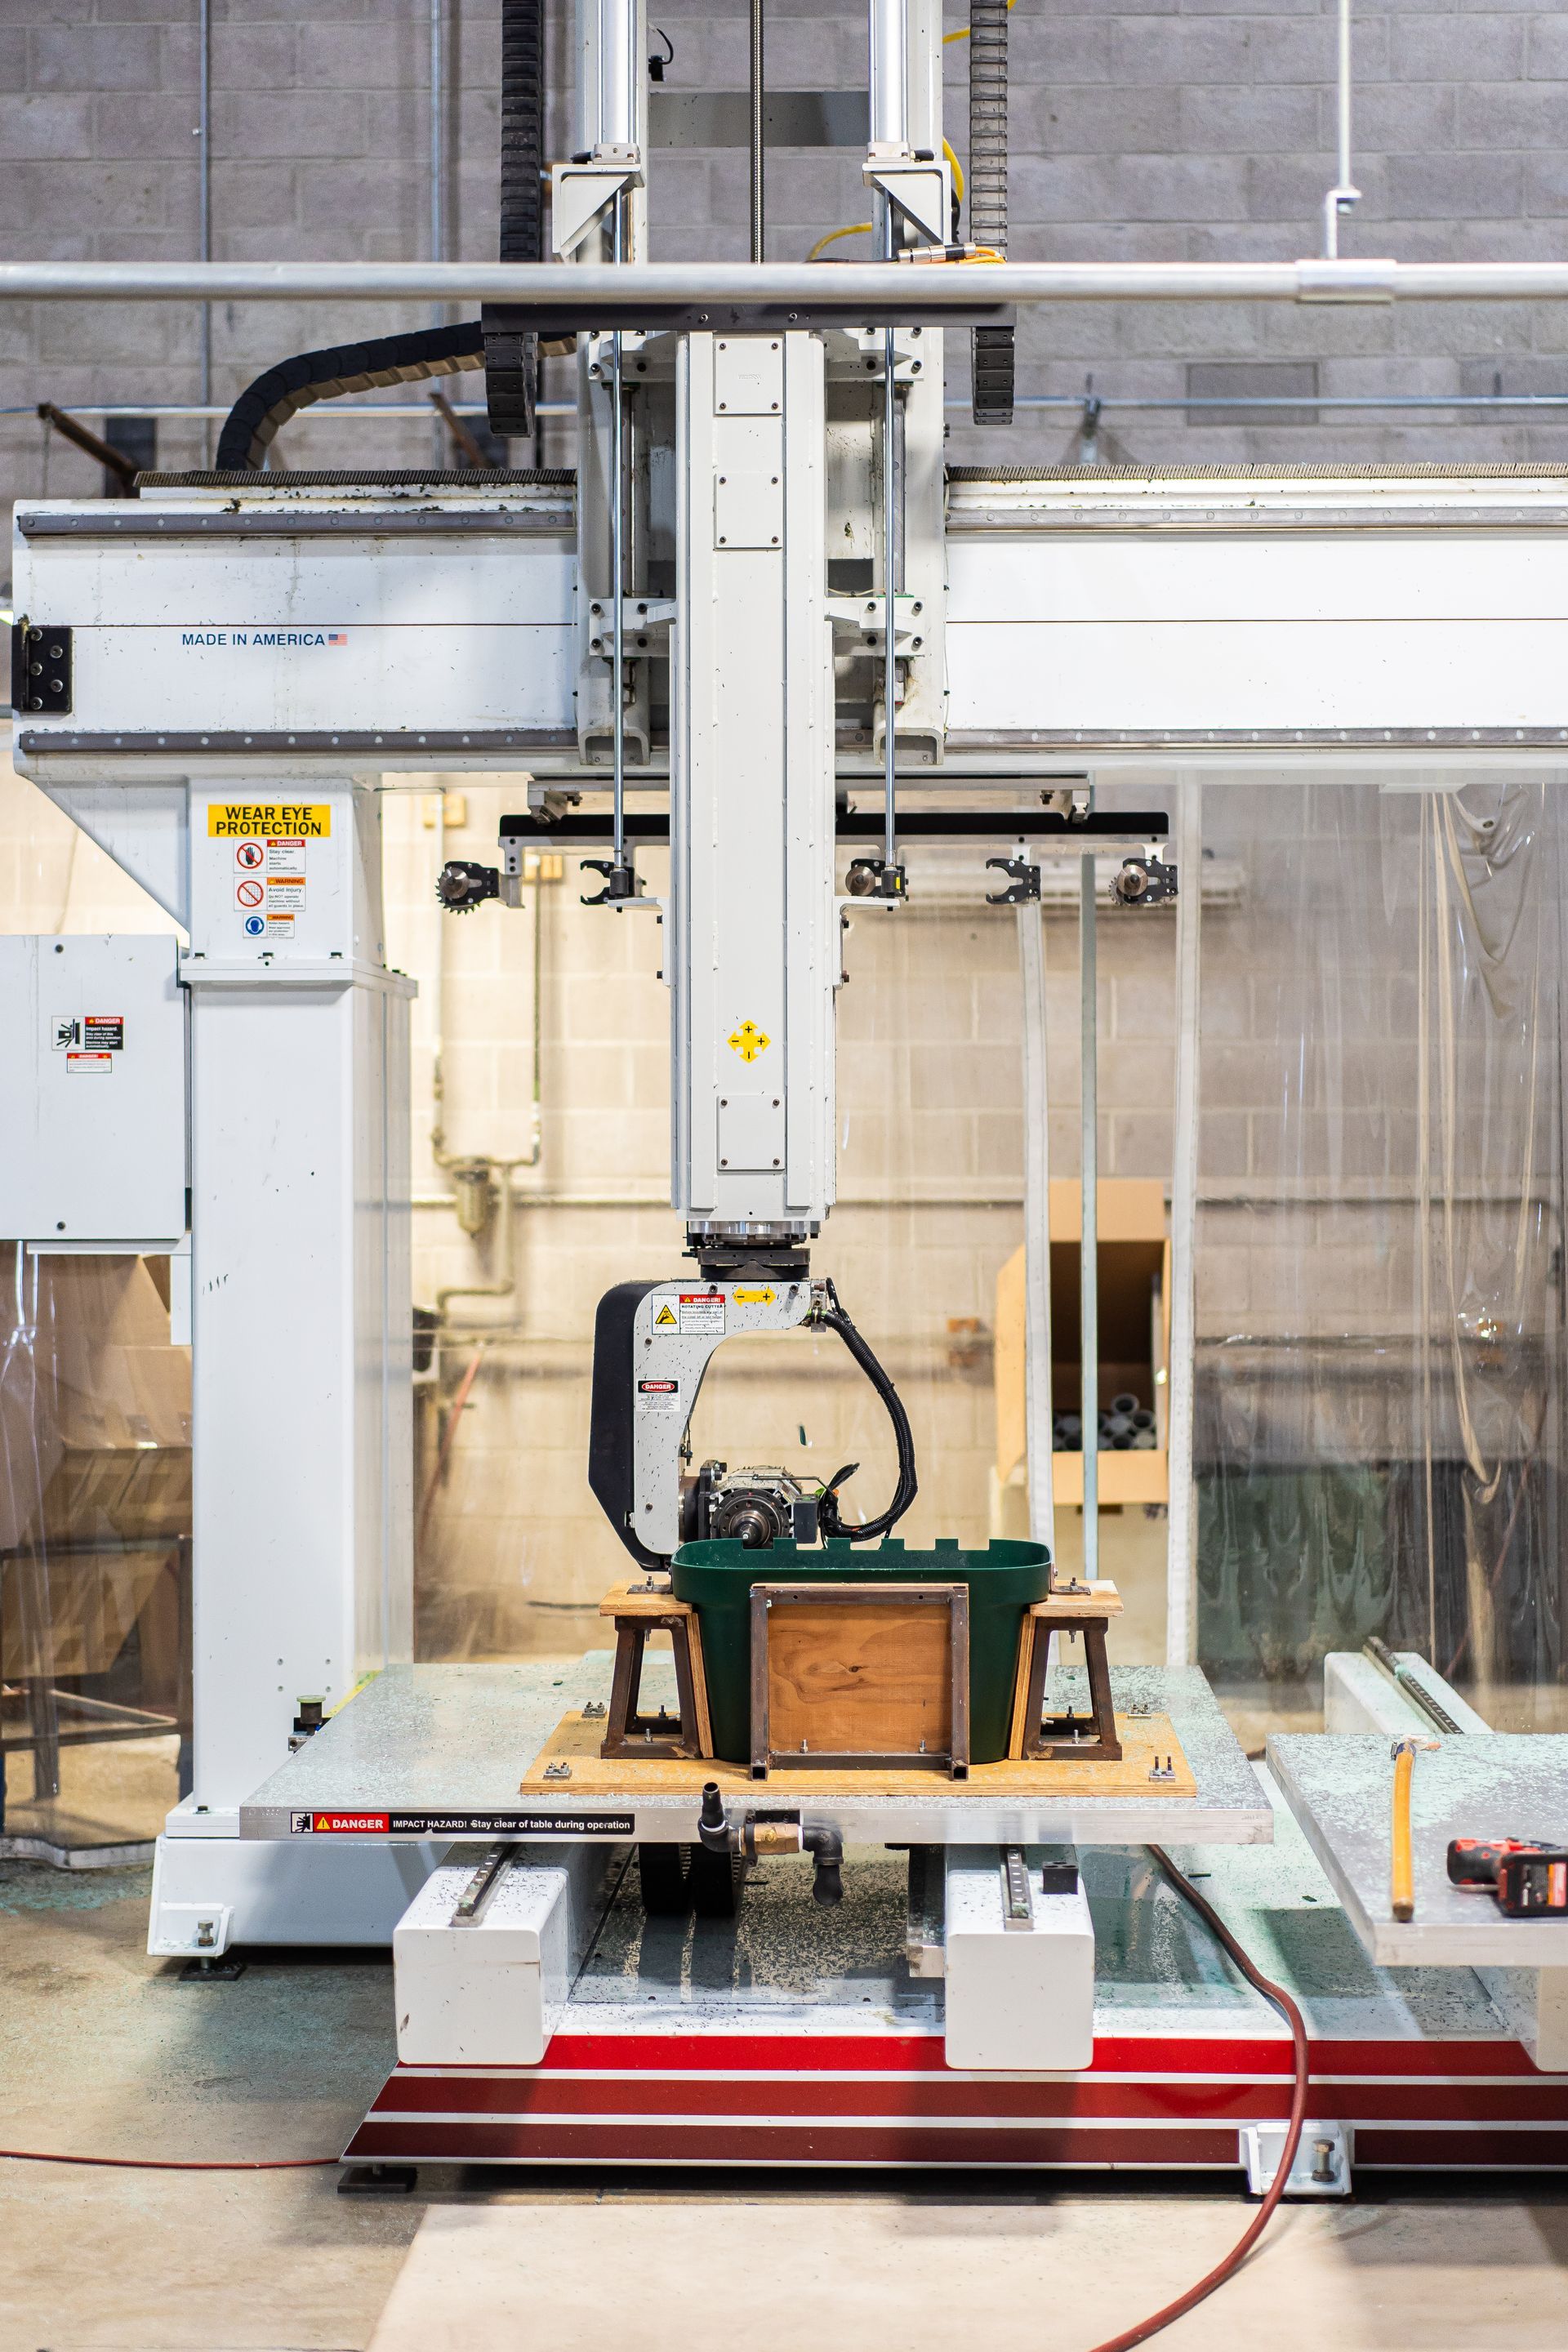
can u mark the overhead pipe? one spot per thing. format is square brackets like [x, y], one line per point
[847, 287]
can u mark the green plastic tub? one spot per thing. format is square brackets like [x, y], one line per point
[717, 1578]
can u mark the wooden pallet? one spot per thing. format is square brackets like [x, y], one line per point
[576, 1742]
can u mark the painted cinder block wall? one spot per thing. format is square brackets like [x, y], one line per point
[1158, 131]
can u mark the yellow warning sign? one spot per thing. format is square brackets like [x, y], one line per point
[269, 820]
[664, 1319]
[749, 1041]
[754, 1298]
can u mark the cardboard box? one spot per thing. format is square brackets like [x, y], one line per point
[1134, 1257]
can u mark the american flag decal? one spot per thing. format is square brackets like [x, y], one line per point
[338, 638]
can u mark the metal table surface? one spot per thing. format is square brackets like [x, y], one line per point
[1491, 1785]
[437, 1752]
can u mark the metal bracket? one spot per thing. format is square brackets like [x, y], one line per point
[1322, 2165]
[40, 668]
[1023, 886]
[581, 193]
[863, 617]
[1144, 882]
[878, 880]
[918, 191]
[642, 617]
[622, 885]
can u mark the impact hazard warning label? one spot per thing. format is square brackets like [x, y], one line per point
[324, 1824]
[269, 820]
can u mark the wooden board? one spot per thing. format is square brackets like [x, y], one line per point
[593, 1775]
[875, 1676]
[1102, 1600]
[622, 1601]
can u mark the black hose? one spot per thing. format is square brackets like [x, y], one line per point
[511, 350]
[828, 1518]
[295, 383]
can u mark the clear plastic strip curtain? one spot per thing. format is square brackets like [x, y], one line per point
[1381, 1348]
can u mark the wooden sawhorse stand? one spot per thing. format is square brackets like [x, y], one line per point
[637, 1612]
[1085, 1609]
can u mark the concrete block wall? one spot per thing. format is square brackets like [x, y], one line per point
[1139, 131]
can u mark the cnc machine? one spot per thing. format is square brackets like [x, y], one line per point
[762, 605]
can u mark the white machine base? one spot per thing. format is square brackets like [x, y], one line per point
[211, 1892]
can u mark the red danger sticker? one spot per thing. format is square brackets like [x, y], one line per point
[337, 1824]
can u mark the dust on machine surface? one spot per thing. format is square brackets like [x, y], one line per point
[850, 1840]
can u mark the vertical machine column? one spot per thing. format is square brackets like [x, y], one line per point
[754, 955]
[302, 1440]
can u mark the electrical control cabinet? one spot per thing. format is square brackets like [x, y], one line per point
[92, 1090]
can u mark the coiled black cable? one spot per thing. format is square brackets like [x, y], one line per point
[830, 1523]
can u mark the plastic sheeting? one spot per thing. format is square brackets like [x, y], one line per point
[1380, 1378]
[95, 1503]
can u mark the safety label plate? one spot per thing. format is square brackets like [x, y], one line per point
[658, 1396]
[270, 819]
[313, 1824]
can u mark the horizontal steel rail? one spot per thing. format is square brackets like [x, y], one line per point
[843, 287]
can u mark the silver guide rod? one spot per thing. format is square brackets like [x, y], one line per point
[846, 286]
[889, 588]
[617, 570]
[1089, 1244]
[759, 87]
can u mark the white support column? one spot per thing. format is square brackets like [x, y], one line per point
[1038, 1413]
[1182, 1553]
[302, 1437]
[755, 946]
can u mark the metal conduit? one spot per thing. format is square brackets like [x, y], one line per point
[346, 411]
[845, 286]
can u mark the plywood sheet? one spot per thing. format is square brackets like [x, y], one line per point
[1143, 1738]
[872, 1676]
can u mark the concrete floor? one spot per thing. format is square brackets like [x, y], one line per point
[105, 2052]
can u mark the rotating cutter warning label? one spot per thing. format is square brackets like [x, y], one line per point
[249, 892]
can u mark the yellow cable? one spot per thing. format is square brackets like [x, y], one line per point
[961, 34]
[861, 229]
[957, 166]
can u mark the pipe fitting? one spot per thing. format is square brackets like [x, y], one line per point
[753, 1837]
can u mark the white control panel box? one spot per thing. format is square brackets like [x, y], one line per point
[92, 1090]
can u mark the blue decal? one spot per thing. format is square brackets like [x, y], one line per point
[254, 925]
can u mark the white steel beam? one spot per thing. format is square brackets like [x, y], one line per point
[755, 949]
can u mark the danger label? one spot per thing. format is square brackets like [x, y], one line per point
[88, 1066]
[658, 1396]
[702, 1310]
[98, 1032]
[269, 820]
[463, 1824]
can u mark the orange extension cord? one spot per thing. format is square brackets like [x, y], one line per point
[1140, 2333]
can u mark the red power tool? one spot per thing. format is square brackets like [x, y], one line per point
[1527, 1880]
